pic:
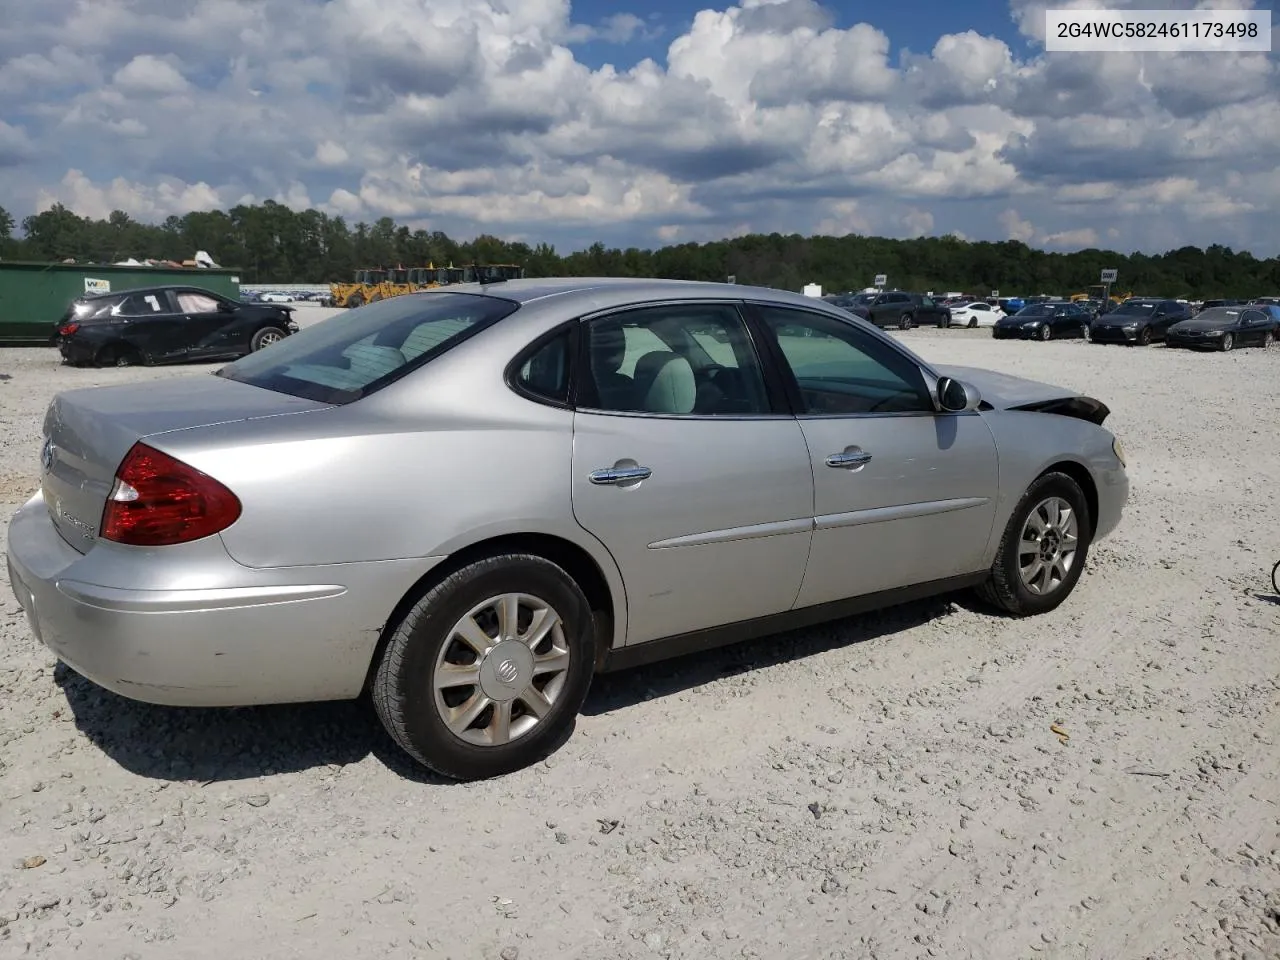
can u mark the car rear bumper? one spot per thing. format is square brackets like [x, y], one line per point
[206, 632]
[75, 351]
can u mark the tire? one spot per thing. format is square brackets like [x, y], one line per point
[355, 300]
[403, 684]
[906, 321]
[119, 355]
[374, 298]
[1006, 588]
[265, 337]
[1268, 340]
[1275, 578]
[1228, 341]
[973, 323]
[1084, 332]
[1144, 338]
[1045, 333]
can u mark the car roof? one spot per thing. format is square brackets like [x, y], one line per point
[159, 288]
[621, 289]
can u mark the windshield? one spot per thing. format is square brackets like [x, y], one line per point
[1219, 315]
[1036, 310]
[1133, 309]
[351, 355]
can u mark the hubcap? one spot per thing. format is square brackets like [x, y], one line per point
[1047, 551]
[268, 338]
[501, 670]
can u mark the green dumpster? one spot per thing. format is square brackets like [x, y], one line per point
[34, 296]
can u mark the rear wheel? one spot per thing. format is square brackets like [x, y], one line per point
[906, 321]
[355, 300]
[1268, 340]
[265, 338]
[119, 355]
[1043, 550]
[487, 671]
[973, 322]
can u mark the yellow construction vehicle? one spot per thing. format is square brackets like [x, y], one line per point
[359, 291]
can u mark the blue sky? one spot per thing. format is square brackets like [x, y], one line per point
[638, 125]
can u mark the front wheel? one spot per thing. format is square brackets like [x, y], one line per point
[973, 322]
[1228, 341]
[488, 670]
[1043, 550]
[265, 338]
[1268, 340]
[1144, 337]
[1045, 332]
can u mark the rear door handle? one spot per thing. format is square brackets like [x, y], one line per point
[850, 458]
[619, 475]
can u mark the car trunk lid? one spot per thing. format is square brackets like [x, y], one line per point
[88, 432]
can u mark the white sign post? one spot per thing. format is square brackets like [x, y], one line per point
[1108, 278]
[882, 280]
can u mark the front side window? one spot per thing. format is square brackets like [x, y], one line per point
[680, 359]
[350, 356]
[842, 370]
[189, 302]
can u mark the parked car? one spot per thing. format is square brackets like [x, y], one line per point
[318, 519]
[1047, 320]
[1223, 328]
[166, 325]
[975, 313]
[851, 303]
[1139, 321]
[906, 310]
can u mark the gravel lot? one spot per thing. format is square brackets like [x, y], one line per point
[887, 786]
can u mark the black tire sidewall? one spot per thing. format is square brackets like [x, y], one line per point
[409, 661]
[1045, 332]
[1049, 485]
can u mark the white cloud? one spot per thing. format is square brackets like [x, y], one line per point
[482, 115]
[147, 75]
[1015, 228]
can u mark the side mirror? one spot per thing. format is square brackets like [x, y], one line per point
[955, 396]
[225, 307]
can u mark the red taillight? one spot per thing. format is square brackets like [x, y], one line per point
[68, 329]
[158, 501]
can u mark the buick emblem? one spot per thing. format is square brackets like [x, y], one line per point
[46, 455]
[507, 671]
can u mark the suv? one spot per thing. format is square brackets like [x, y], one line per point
[906, 310]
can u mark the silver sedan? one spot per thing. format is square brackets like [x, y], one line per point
[469, 501]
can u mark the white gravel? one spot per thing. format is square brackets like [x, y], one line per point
[883, 787]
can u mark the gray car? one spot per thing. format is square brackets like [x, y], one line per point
[469, 501]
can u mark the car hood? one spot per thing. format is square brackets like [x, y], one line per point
[1002, 391]
[1200, 326]
[1112, 320]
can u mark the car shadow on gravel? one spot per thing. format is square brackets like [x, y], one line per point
[228, 744]
[616, 691]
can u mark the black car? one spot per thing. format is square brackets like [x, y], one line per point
[906, 310]
[853, 303]
[1222, 328]
[1139, 321]
[1049, 320]
[166, 325]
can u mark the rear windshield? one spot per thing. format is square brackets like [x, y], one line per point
[355, 353]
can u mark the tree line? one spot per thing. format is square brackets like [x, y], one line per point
[271, 243]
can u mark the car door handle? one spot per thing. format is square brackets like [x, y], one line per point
[619, 475]
[850, 458]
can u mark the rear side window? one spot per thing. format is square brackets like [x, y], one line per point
[356, 353]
